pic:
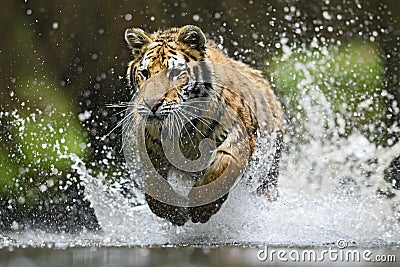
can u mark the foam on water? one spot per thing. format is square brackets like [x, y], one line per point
[305, 214]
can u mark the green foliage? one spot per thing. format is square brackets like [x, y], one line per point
[350, 78]
[44, 130]
[44, 138]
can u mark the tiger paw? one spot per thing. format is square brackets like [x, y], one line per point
[203, 213]
[175, 214]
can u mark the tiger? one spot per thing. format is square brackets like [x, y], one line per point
[193, 67]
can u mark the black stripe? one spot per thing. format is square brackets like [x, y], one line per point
[242, 102]
[129, 73]
[187, 59]
[151, 138]
[195, 90]
[132, 82]
[163, 57]
[240, 113]
[208, 89]
[202, 53]
[193, 58]
[196, 73]
[206, 73]
[221, 94]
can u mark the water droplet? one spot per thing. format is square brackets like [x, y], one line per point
[196, 17]
[84, 116]
[21, 200]
[29, 12]
[42, 188]
[326, 15]
[50, 182]
[128, 17]
[55, 25]
[14, 225]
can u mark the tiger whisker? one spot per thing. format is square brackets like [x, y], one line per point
[122, 111]
[190, 121]
[184, 126]
[177, 127]
[121, 105]
[205, 123]
[171, 126]
[128, 127]
[128, 116]
[125, 129]
[196, 101]
[190, 106]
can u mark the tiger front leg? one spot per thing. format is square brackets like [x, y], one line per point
[175, 214]
[230, 161]
[161, 197]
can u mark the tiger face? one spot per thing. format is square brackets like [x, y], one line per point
[167, 54]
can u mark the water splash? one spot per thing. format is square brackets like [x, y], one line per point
[328, 188]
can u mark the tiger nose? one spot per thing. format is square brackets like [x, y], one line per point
[153, 104]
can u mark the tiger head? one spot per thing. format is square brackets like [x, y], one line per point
[159, 72]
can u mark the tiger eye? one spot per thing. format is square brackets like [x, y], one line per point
[174, 73]
[144, 73]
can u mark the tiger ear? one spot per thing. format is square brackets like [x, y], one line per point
[136, 39]
[192, 36]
